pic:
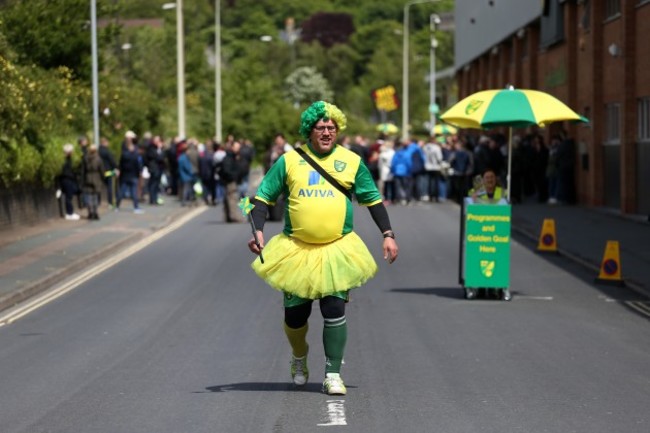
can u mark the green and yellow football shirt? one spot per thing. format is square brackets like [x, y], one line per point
[315, 211]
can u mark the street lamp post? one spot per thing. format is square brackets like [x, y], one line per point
[95, 79]
[180, 64]
[405, 67]
[217, 70]
[434, 20]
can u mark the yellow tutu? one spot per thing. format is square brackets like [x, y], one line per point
[312, 271]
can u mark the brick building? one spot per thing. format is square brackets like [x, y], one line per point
[594, 55]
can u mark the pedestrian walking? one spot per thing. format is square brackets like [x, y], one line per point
[385, 175]
[155, 163]
[432, 160]
[111, 171]
[231, 177]
[130, 168]
[318, 256]
[401, 169]
[187, 176]
[67, 183]
[92, 175]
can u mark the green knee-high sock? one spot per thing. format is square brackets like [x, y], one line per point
[297, 339]
[335, 335]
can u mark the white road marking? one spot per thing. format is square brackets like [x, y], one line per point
[37, 302]
[533, 298]
[335, 413]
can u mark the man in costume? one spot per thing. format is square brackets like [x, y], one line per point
[318, 256]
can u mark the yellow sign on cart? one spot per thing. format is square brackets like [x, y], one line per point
[487, 246]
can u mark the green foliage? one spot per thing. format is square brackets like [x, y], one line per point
[306, 84]
[49, 35]
[45, 71]
[52, 160]
[19, 162]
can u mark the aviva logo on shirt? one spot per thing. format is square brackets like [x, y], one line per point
[315, 179]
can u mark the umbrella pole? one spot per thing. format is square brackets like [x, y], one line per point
[508, 176]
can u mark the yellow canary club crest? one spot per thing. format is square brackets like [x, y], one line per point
[472, 106]
[339, 166]
[487, 268]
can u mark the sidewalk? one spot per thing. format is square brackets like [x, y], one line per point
[33, 259]
[582, 234]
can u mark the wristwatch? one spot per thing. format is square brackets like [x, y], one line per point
[389, 234]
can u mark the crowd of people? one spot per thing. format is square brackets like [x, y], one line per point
[442, 167]
[149, 168]
[434, 169]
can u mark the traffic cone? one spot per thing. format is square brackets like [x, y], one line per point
[547, 240]
[610, 267]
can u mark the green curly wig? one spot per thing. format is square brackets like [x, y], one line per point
[317, 111]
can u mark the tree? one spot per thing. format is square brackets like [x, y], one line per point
[50, 34]
[306, 85]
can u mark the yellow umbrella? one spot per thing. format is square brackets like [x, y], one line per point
[442, 129]
[509, 107]
[387, 128]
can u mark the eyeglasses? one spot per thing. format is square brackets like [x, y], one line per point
[321, 129]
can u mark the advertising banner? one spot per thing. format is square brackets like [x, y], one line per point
[385, 98]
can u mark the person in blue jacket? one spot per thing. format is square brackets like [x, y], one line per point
[186, 175]
[401, 169]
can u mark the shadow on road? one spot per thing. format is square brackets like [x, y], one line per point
[442, 292]
[266, 386]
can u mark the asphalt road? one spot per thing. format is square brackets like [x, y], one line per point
[183, 337]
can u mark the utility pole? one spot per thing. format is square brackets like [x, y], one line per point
[434, 20]
[405, 67]
[217, 70]
[95, 68]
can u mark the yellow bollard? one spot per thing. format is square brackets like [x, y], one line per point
[610, 267]
[547, 240]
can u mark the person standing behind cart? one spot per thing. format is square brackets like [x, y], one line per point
[488, 191]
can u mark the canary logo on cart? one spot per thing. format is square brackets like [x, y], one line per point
[487, 268]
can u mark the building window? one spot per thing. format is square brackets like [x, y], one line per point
[612, 8]
[613, 123]
[644, 119]
[551, 24]
[585, 21]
